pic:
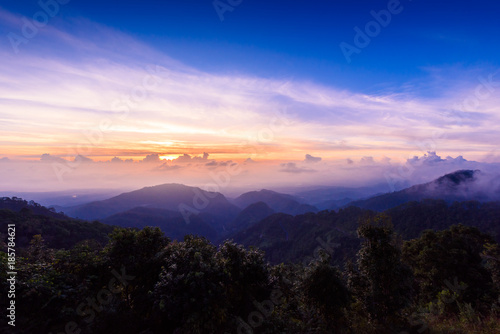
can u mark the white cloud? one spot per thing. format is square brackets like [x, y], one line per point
[310, 159]
[291, 167]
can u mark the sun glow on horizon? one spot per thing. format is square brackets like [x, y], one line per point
[168, 157]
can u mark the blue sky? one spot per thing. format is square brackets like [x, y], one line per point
[300, 39]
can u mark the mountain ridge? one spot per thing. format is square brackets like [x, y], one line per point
[461, 185]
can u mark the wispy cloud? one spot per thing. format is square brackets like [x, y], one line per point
[93, 91]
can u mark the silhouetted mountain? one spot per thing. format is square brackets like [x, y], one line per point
[286, 238]
[334, 204]
[278, 202]
[170, 222]
[411, 218]
[58, 230]
[18, 204]
[333, 198]
[461, 185]
[66, 198]
[213, 207]
[250, 215]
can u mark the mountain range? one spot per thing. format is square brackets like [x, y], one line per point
[462, 185]
[286, 227]
[268, 219]
[278, 202]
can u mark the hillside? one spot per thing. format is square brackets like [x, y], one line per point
[170, 222]
[278, 202]
[57, 232]
[250, 215]
[215, 208]
[463, 185]
[17, 204]
[285, 238]
[333, 198]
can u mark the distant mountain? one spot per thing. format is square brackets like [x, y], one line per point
[334, 204]
[278, 202]
[333, 198]
[462, 185]
[411, 218]
[286, 238]
[60, 199]
[170, 222]
[250, 215]
[18, 204]
[213, 207]
[59, 231]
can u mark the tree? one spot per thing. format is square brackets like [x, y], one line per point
[246, 274]
[324, 288]
[439, 259]
[139, 253]
[381, 282]
[492, 256]
[189, 295]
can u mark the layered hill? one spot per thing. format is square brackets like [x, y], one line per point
[172, 223]
[287, 238]
[462, 185]
[17, 204]
[250, 215]
[212, 207]
[333, 198]
[59, 231]
[278, 202]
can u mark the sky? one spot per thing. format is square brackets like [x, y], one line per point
[135, 93]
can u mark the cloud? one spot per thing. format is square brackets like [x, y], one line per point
[4, 159]
[385, 160]
[429, 159]
[367, 160]
[186, 108]
[291, 167]
[311, 159]
[227, 163]
[421, 169]
[80, 81]
[120, 160]
[187, 158]
[183, 158]
[50, 158]
[214, 163]
[167, 167]
[82, 159]
[151, 158]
